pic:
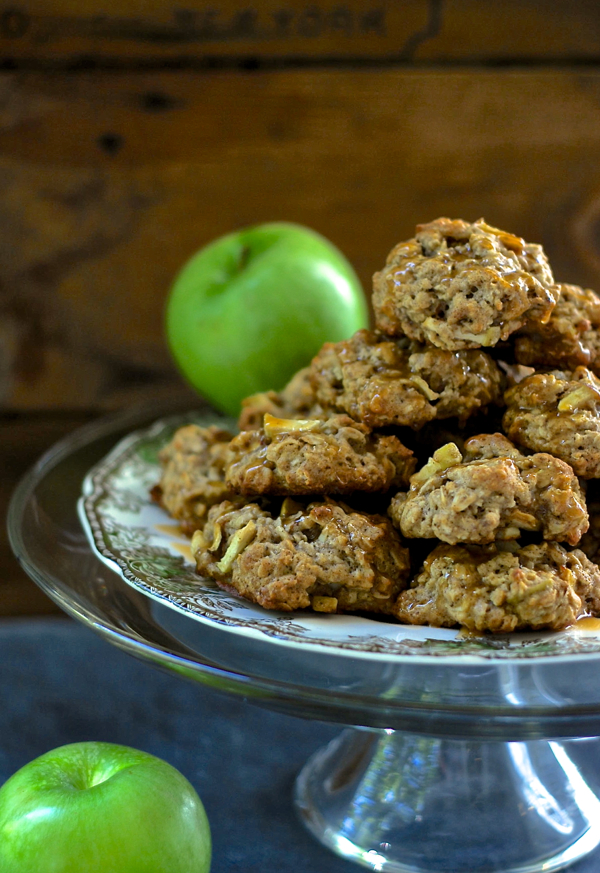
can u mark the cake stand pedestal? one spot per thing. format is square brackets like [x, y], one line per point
[405, 803]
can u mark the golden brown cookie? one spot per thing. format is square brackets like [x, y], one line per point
[382, 382]
[193, 474]
[569, 339]
[489, 588]
[559, 413]
[314, 456]
[322, 556]
[491, 492]
[458, 285]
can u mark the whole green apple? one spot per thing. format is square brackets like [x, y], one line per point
[101, 808]
[253, 307]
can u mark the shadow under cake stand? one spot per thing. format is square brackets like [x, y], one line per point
[447, 765]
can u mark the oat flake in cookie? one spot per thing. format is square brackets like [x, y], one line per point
[323, 556]
[458, 285]
[491, 492]
[502, 589]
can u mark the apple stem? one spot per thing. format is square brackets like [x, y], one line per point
[244, 257]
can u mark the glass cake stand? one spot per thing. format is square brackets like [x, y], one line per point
[448, 765]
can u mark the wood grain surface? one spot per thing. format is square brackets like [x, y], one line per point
[103, 198]
[404, 31]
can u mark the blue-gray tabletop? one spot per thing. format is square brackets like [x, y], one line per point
[59, 683]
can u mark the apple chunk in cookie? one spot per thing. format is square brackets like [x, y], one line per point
[491, 492]
[296, 400]
[502, 588]
[313, 456]
[458, 285]
[322, 556]
[558, 412]
[383, 382]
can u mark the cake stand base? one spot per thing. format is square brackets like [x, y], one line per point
[404, 803]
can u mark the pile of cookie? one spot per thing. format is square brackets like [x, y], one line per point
[437, 470]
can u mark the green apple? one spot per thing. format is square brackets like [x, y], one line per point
[253, 307]
[101, 808]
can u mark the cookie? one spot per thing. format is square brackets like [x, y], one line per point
[193, 474]
[296, 400]
[458, 285]
[569, 339]
[314, 456]
[491, 492]
[382, 382]
[488, 588]
[321, 556]
[559, 413]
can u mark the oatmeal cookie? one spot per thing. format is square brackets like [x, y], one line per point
[314, 456]
[569, 339]
[321, 556]
[381, 382]
[492, 492]
[296, 400]
[558, 412]
[502, 589]
[461, 286]
[193, 474]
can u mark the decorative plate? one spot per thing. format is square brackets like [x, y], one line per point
[137, 539]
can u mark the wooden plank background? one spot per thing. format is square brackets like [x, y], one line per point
[102, 200]
[285, 31]
[127, 141]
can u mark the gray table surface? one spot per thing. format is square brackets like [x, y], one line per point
[60, 683]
